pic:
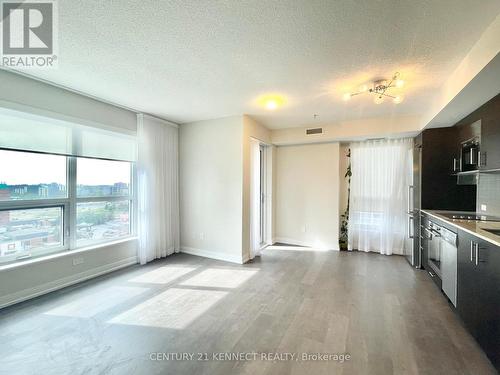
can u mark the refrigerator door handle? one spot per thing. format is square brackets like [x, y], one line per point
[410, 195]
[411, 235]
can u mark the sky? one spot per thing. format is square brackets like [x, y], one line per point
[30, 168]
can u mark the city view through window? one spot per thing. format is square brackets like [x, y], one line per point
[34, 202]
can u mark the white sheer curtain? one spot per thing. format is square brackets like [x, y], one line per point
[254, 198]
[378, 195]
[158, 191]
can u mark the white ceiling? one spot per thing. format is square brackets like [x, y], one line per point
[188, 60]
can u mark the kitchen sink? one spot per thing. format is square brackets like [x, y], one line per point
[496, 232]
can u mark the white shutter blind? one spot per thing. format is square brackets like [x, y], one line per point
[31, 132]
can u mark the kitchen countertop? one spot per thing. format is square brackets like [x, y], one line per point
[473, 227]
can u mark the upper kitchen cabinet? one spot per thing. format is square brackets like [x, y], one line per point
[490, 135]
[488, 118]
[438, 189]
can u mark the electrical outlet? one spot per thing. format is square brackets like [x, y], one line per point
[202, 236]
[483, 207]
[77, 261]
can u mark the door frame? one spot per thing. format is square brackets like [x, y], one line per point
[266, 232]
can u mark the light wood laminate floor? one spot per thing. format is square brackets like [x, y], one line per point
[388, 317]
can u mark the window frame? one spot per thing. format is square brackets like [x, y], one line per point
[68, 207]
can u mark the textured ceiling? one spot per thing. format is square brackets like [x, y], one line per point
[188, 60]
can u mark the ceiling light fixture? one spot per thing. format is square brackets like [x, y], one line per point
[379, 89]
[271, 102]
[398, 99]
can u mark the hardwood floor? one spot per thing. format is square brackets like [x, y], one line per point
[389, 318]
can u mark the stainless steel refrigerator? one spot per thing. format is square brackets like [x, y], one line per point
[413, 246]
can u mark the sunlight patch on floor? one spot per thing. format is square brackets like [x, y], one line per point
[220, 278]
[174, 308]
[163, 275]
[95, 303]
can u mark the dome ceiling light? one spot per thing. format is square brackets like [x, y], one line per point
[380, 90]
[271, 102]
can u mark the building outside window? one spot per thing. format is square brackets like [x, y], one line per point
[52, 203]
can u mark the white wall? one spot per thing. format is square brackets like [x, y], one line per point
[19, 282]
[307, 195]
[211, 188]
[34, 277]
[393, 126]
[215, 186]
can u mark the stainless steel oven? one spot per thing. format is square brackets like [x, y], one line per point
[434, 256]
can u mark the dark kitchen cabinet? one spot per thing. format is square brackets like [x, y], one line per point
[490, 140]
[467, 282]
[488, 306]
[489, 114]
[478, 292]
[438, 188]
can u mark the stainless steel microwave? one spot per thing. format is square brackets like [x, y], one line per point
[469, 155]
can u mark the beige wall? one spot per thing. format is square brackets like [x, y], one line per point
[307, 195]
[211, 188]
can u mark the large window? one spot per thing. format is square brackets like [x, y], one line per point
[27, 176]
[102, 178]
[101, 221]
[51, 203]
[27, 231]
[103, 200]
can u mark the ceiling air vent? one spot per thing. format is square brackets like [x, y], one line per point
[314, 131]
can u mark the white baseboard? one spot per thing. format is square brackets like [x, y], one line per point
[292, 241]
[51, 286]
[212, 254]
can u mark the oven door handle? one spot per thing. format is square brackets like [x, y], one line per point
[477, 254]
